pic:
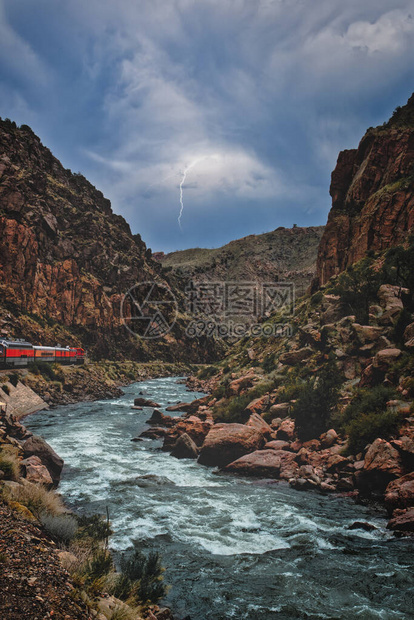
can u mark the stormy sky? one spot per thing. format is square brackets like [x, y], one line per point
[244, 103]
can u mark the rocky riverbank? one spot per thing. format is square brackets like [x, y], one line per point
[54, 563]
[256, 448]
[26, 391]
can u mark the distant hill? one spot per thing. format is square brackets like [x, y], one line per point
[285, 254]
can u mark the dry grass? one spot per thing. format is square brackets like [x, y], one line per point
[36, 498]
[9, 462]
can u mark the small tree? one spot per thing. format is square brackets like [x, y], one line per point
[313, 408]
[357, 287]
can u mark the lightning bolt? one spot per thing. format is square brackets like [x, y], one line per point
[181, 188]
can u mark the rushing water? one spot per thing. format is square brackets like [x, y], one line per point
[232, 547]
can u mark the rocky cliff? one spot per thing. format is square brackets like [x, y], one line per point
[372, 193]
[65, 258]
[284, 254]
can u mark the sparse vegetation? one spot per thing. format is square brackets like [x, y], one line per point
[9, 462]
[313, 409]
[36, 498]
[62, 528]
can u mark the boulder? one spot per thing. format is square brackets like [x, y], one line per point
[261, 463]
[145, 402]
[409, 332]
[255, 421]
[290, 358]
[281, 410]
[382, 464]
[35, 471]
[258, 405]
[367, 333]
[37, 446]
[329, 438]
[190, 407]
[226, 443]
[402, 521]
[362, 525]
[336, 463]
[384, 358]
[194, 427]
[400, 492]
[242, 383]
[152, 433]
[405, 447]
[185, 448]
[286, 430]
[277, 444]
[390, 296]
[160, 419]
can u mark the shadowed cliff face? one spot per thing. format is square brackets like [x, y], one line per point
[65, 256]
[372, 193]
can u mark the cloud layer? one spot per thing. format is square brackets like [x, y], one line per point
[261, 94]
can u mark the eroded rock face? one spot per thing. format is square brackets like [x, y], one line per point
[36, 472]
[228, 442]
[372, 197]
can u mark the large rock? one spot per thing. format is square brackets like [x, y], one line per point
[37, 446]
[382, 465]
[242, 383]
[144, 402]
[329, 438]
[402, 521]
[160, 419]
[386, 357]
[400, 493]
[35, 471]
[286, 430]
[257, 422]
[261, 463]
[258, 405]
[226, 443]
[281, 410]
[295, 357]
[185, 448]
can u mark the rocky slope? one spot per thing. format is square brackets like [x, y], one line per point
[66, 259]
[285, 254]
[372, 193]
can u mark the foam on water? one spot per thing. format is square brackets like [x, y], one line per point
[232, 547]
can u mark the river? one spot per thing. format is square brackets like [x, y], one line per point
[233, 548]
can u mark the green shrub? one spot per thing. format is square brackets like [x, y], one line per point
[14, 379]
[140, 578]
[313, 409]
[96, 527]
[268, 363]
[5, 389]
[367, 400]
[368, 427]
[207, 372]
[233, 410]
[358, 287]
[98, 566]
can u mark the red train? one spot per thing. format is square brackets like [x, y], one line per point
[18, 353]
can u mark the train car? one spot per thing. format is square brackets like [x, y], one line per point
[44, 354]
[80, 356]
[15, 353]
[65, 355]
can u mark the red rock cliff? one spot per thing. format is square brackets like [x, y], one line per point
[372, 193]
[65, 256]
